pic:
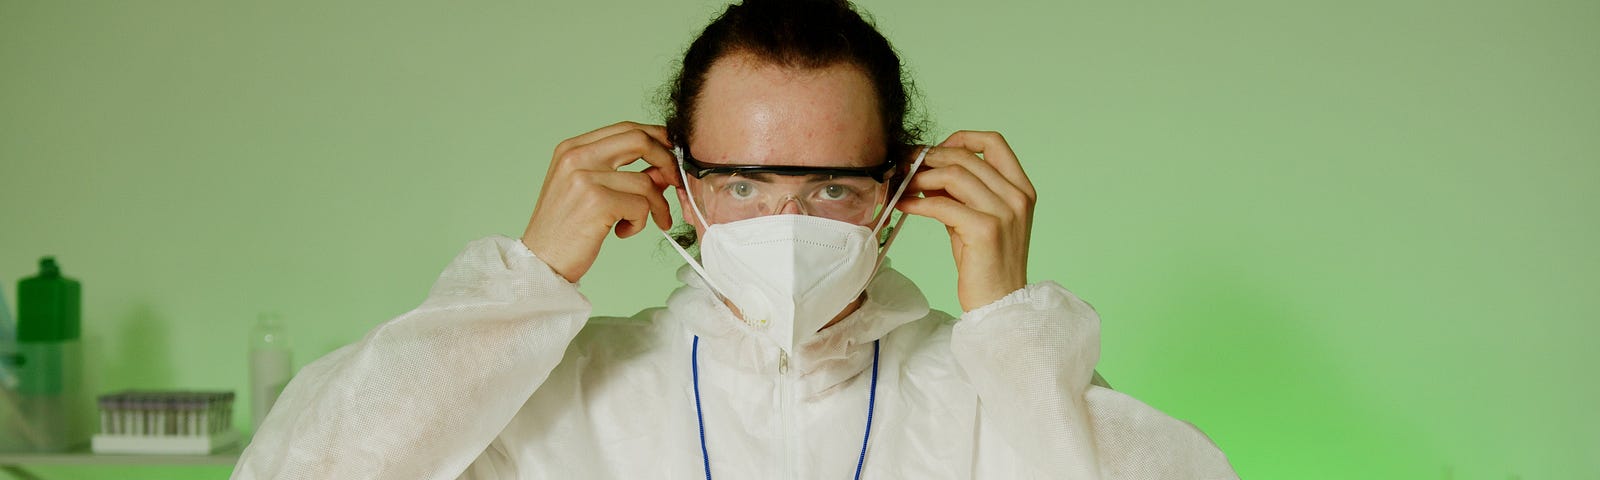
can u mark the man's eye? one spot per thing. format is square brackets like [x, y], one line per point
[836, 192]
[741, 190]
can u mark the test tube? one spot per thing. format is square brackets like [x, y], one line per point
[147, 414]
[105, 413]
[124, 414]
[136, 406]
[211, 413]
[190, 424]
[172, 413]
[199, 406]
[164, 407]
[227, 411]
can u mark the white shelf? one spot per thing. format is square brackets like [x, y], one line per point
[82, 456]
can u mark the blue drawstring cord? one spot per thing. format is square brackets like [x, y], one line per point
[694, 365]
[705, 455]
[872, 401]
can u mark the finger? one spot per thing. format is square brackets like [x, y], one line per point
[961, 219]
[620, 149]
[662, 177]
[996, 152]
[962, 158]
[640, 185]
[630, 212]
[965, 187]
[657, 132]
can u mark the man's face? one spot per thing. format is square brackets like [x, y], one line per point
[752, 112]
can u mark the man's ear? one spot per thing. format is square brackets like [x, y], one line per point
[688, 208]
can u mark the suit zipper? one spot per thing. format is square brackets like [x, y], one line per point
[784, 418]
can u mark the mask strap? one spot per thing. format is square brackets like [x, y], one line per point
[688, 258]
[883, 253]
[678, 151]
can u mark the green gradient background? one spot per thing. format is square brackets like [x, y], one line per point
[1346, 239]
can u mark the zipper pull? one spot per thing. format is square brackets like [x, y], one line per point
[783, 362]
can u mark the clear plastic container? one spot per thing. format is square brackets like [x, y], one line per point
[270, 365]
[8, 346]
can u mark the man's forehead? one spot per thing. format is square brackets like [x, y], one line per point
[755, 113]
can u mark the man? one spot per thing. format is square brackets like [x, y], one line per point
[790, 352]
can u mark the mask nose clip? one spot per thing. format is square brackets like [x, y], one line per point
[789, 199]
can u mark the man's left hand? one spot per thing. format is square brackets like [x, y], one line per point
[974, 185]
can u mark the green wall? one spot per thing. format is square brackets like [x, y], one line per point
[1346, 239]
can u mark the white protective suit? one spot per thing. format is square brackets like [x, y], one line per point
[501, 373]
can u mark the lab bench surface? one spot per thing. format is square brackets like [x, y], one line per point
[14, 463]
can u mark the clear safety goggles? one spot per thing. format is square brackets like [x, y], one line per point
[729, 193]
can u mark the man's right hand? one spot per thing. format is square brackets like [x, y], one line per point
[585, 197]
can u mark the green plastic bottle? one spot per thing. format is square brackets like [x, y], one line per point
[49, 313]
[49, 374]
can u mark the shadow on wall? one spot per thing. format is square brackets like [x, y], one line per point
[142, 353]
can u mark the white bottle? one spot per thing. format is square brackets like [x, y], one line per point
[270, 365]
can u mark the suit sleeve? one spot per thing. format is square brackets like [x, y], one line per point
[1031, 356]
[424, 394]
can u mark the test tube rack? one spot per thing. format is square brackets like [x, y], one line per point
[165, 422]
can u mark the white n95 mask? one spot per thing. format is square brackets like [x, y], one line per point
[789, 274]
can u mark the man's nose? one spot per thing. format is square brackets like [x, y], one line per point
[791, 206]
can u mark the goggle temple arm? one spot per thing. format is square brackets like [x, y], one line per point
[888, 208]
[677, 151]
